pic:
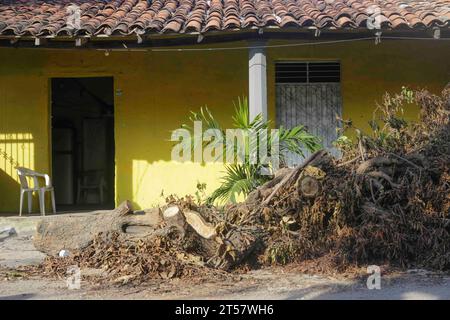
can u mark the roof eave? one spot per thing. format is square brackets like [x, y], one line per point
[210, 37]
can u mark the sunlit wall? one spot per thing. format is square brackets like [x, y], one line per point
[154, 92]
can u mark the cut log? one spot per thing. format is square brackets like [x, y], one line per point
[171, 212]
[308, 183]
[174, 217]
[308, 187]
[196, 221]
[55, 233]
[315, 159]
[220, 251]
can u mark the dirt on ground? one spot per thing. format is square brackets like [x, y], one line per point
[269, 283]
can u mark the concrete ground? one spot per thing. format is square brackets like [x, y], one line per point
[271, 283]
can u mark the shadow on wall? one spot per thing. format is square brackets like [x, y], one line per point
[7, 185]
[16, 149]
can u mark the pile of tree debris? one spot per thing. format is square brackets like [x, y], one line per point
[167, 242]
[387, 200]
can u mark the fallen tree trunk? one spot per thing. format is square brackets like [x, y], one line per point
[77, 232]
[193, 233]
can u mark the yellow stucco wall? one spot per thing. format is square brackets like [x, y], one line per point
[154, 92]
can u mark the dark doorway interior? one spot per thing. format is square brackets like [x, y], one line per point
[83, 143]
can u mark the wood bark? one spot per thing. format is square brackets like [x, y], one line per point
[174, 217]
[71, 233]
[219, 251]
[238, 245]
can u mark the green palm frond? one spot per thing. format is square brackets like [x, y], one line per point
[295, 138]
[241, 117]
[243, 176]
[239, 179]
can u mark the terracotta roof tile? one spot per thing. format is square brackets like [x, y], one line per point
[51, 17]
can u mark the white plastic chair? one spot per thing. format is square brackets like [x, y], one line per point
[26, 188]
[92, 180]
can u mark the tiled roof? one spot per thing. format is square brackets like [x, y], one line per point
[123, 17]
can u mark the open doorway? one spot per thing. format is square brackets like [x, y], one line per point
[83, 143]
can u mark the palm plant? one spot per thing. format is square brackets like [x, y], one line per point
[245, 174]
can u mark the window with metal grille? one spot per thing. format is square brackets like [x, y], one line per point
[307, 72]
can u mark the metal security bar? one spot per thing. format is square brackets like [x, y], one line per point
[307, 72]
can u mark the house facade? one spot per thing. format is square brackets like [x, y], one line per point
[98, 86]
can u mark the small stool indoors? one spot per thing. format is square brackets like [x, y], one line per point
[24, 174]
